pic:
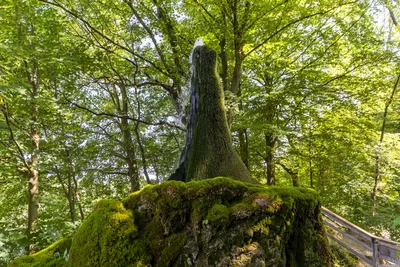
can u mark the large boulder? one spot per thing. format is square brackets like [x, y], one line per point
[214, 222]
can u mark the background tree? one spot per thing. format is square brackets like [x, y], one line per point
[306, 84]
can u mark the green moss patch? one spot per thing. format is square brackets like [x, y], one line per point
[106, 238]
[55, 255]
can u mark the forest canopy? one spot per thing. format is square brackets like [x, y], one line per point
[94, 97]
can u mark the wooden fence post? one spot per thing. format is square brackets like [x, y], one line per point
[375, 252]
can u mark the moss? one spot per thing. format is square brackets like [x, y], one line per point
[212, 222]
[105, 238]
[53, 256]
[218, 215]
[172, 247]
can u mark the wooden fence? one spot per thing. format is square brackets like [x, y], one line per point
[373, 250]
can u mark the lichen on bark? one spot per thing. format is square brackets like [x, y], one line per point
[208, 152]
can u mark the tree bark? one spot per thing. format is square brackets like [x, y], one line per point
[244, 147]
[142, 153]
[77, 197]
[293, 173]
[139, 141]
[208, 152]
[33, 179]
[270, 158]
[67, 192]
[377, 173]
[129, 147]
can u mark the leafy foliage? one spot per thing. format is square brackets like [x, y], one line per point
[306, 86]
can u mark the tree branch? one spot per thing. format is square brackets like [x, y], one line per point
[106, 114]
[21, 154]
[150, 33]
[108, 39]
[290, 24]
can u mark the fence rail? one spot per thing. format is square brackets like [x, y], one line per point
[375, 251]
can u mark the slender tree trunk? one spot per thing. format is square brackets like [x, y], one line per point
[224, 61]
[143, 155]
[295, 179]
[71, 188]
[71, 200]
[131, 161]
[310, 158]
[76, 190]
[157, 174]
[293, 173]
[33, 180]
[139, 140]
[377, 174]
[244, 147]
[311, 174]
[243, 139]
[130, 156]
[129, 147]
[67, 192]
[270, 158]
[238, 32]
[237, 71]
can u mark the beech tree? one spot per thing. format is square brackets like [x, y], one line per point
[103, 86]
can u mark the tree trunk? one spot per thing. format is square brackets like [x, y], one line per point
[293, 173]
[224, 62]
[67, 192]
[208, 152]
[377, 156]
[270, 158]
[377, 173]
[310, 158]
[142, 153]
[130, 156]
[139, 141]
[71, 187]
[33, 179]
[244, 147]
[76, 190]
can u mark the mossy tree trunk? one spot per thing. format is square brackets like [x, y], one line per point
[208, 152]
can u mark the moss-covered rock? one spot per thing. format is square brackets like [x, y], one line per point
[215, 222]
[53, 256]
[107, 238]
